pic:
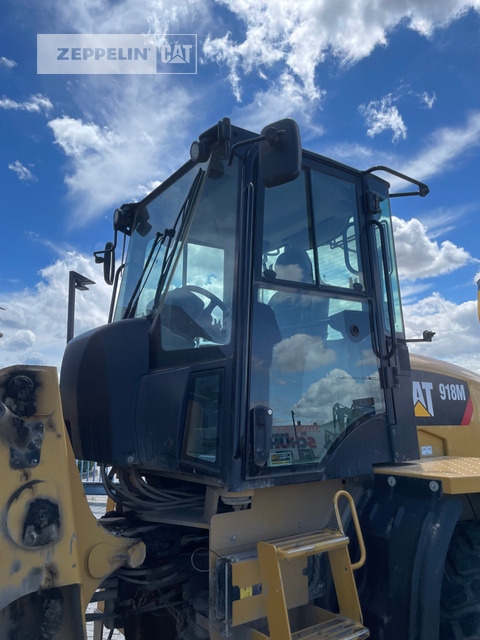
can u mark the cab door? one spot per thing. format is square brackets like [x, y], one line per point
[316, 391]
[391, 345]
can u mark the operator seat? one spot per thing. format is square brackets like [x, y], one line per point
[299, 311]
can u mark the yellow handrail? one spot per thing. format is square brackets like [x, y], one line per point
[361, 544]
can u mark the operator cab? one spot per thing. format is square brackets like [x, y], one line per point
[257, 335]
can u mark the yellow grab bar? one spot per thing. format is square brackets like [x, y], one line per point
[358, 531]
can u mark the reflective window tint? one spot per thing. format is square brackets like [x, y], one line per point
[314, 366]
[204, 417]
[312, 360]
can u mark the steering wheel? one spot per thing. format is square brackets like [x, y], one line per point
[214, 300]
[207, 327]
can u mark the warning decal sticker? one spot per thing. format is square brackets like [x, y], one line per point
[440, 400]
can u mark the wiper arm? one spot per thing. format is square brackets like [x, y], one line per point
[132, 303]
[184, 214]
[168, 255]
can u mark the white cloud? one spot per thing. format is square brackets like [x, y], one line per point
[19, 340]
[382, 115]
[22, 172]
[299, 36]
[7, 63]
[353, 153]
[110, 164]
[141, 16]
[285, 98]
[34, 104]
[456, 326]
[337, 386]
[411, 291]
[427, 99]
[77, 138]
[143, 190]
[35, 320]
[440, 153]
[442, 148]
[419, 257]
[301, 352]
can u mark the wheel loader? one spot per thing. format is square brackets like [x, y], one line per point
[250, 403]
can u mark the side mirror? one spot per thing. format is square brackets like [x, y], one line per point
[107, 258]
[280, 153]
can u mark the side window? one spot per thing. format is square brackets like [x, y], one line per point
[335, 215]
[287, 244]
[197, 307]
[203, 421]
[292, 236]
[386, 222]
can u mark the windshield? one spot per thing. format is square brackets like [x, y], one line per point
[151, 220]
[181, 257]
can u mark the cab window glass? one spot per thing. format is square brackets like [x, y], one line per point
[286, 234]
[203, 417]
[197, 307]
[313, 365]
[386, 221]
[334, 212]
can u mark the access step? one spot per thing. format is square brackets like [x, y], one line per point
[309, 544]
[336, 629]
[275, 554]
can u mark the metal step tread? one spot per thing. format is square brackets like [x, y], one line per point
[309, 543]
[337, 628]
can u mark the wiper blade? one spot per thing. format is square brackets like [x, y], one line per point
[132, 303]
[159, 241]
[184, 214]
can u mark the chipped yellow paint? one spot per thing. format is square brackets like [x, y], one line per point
[82, 553]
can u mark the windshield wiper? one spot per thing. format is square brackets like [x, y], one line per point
[185, 215]
[132, 303]
[159, 240]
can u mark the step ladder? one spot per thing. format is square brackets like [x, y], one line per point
[347, 625]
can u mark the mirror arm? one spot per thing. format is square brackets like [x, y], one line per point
[426, 337]
[423, 190]
[272, 135]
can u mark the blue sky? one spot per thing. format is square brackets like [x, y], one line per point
[396, 84]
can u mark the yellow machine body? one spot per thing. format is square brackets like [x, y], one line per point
[446, 401]
[51, 542]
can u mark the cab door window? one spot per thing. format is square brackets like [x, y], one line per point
[334, 211]
[312, 360]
